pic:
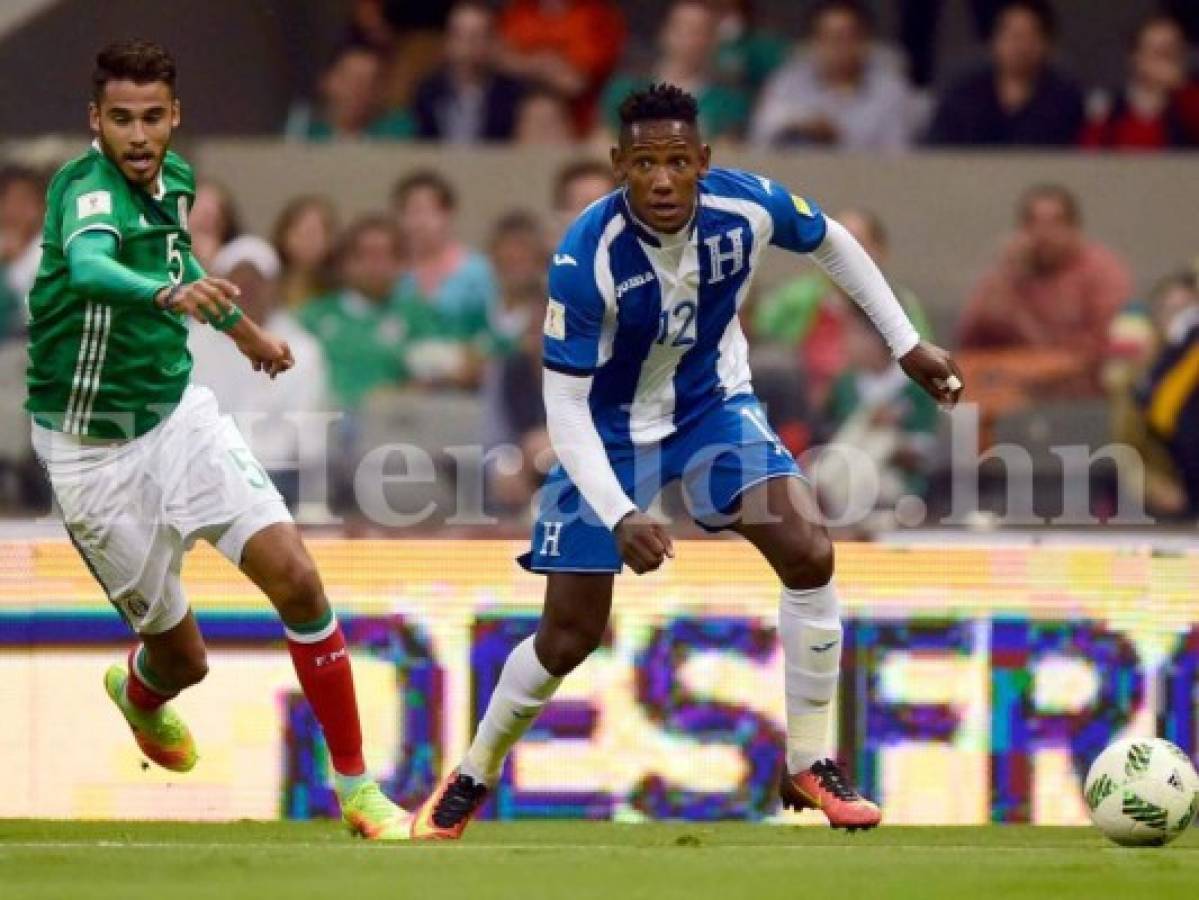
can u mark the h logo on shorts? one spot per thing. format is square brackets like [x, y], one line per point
[719, 257]
[550, 537]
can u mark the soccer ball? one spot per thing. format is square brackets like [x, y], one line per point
[1142, 792]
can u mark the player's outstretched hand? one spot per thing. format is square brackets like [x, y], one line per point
[265, 352]
[934, 370]
[206, 300]
[643, 542]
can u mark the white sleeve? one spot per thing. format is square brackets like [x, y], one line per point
[845, 262]
[579, 448]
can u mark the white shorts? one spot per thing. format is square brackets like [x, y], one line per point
[132, 509]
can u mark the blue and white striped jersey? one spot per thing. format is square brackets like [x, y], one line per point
[657, 325]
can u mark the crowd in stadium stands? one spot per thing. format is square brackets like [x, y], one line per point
[551, 71]
[396, 301]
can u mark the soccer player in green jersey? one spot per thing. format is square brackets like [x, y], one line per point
[142, 463]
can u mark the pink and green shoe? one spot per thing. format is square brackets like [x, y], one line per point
[162, 735]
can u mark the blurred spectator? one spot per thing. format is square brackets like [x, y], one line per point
[466, 100]
[406, 35]
[919, 22]
[515, 413]
[878, 411]
[1170, 393]
[811, 313]
[1136, 338]
[519, 254]
[543, 119]
[1159, 106]
[576, 186]
[276, 411]
[304, 237]
[839, 90]
[364, 329]
[1018, 98]
[353, 104]
[686, 58]
[213, 221]
[451, 279]
[1052, 288]
[22, 211]
[568, 46]
[746, 55]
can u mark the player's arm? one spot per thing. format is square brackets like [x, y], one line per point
[574, 318]
[800, 226]
[95, 271]
[847, 263]
[265, 352]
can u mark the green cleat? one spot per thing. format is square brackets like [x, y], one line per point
[162, 735]
[369, 814]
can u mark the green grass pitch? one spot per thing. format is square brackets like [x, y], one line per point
[579, 861]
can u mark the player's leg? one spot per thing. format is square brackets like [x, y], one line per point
[158, 669]
[111, 511]
[572, 625]
[780, 517]
[276, 560]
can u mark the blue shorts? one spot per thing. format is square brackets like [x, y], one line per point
[718, 457]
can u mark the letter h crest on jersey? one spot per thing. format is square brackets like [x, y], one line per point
[721, 253]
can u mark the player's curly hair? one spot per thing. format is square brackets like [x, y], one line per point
[659, 102]
[142, 62]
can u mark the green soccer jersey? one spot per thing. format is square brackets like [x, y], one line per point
[110, 368]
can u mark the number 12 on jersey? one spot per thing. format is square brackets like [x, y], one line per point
[682, 315]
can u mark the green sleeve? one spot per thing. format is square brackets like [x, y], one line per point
[89, 204]
[192, 270]
[95, 272]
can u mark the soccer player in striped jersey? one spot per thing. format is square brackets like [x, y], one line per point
[646, 382]
[142, 463]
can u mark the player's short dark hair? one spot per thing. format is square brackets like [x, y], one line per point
[1041, 10]
[1056, 192]
[657, 103]
[142, 62]
[855, 8]
[429, 180]
[573, 171]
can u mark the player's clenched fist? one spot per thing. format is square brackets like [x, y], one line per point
[643, 543]
[208, 300]
[934, 370]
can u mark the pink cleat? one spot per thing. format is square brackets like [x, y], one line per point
[825, 787]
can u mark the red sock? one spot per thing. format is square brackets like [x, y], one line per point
[323, 666]
[137, 688]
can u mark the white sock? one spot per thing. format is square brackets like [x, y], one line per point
[810, 631]
[524, 688]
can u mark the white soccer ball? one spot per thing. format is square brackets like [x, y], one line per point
[1142, 792]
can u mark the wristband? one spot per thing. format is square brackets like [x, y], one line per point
[168, 302]
[228, 320]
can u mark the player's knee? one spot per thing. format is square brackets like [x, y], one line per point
[808, 562]
[297, 591]
[561, 651]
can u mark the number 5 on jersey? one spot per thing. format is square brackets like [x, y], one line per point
[174, 259]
